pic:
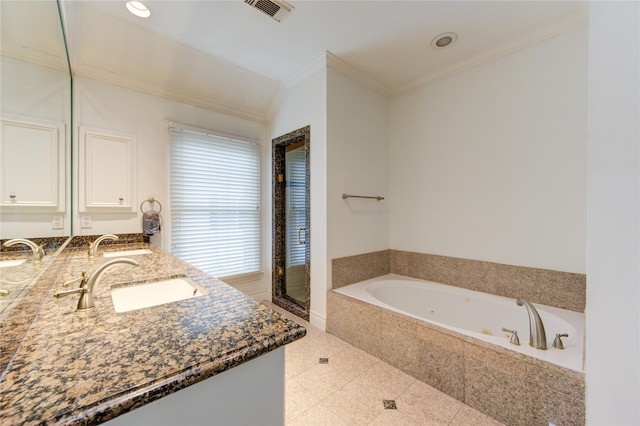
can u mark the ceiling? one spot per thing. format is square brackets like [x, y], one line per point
[227, 56]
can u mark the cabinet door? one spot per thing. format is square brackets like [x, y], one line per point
[32, 164]
[107, 171]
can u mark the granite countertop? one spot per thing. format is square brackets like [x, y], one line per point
[88, 367]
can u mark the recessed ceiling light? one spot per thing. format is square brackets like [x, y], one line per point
[138, 9]
[444, 40]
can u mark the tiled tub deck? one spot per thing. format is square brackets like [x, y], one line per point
[511, 387]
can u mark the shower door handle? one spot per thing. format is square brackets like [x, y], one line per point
[299, 231]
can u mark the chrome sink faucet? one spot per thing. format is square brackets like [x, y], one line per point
[38, 251]
[89, 284]
[537, 336]
[93, 247]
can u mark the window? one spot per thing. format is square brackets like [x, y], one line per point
[215, 201]
[296, 214]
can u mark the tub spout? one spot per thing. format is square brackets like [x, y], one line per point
[537, 336]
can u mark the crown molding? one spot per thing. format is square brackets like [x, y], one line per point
[297, 77]
[545, 34]
[306, 71]
[337, 64]
[44, 59]
[275, 103]
[165, 93]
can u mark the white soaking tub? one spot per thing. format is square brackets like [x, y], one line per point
[476, 314]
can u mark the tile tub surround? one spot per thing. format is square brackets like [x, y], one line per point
[361, 267]
[88, 367]
[513, 388]
[559, 289]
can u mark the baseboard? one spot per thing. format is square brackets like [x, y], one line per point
[259, 296]
[318, 321]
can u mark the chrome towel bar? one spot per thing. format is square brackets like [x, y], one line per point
[377, 197]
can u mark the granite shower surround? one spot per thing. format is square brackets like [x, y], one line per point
[563, 290]
[88, 367]
[513, 388]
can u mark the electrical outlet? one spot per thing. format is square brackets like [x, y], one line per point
[85, 222]
[57, 222]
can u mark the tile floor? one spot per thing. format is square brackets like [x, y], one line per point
[329, 382]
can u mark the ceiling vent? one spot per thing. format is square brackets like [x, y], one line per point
[277, 9]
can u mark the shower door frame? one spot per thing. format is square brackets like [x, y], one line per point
[279, 226]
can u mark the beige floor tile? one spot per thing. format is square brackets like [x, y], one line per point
[468, 416]
[393, 418]
[427, 405]
[352, 409]
[298, 361]
[352, 362]
[381, 381]
[321, 381]
[317, 345]
[349, 389]
[297, 400]
[318, 415]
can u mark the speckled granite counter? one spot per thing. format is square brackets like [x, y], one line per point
[87, 367]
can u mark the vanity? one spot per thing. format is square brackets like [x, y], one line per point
[214, 358]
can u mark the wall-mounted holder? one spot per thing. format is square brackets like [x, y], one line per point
[151, 219]
[151, 202]
[377, 197]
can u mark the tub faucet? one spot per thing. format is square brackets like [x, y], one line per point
[537, 336]
[93, 247]
[89, 284]
[38, 251]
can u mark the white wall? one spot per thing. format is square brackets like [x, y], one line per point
[305, 104]
[32, 91]
[357, 147]
[613, 271]
[490, 163]
[108, 107]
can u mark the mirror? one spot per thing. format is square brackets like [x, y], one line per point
[35, 113]
[291, 222]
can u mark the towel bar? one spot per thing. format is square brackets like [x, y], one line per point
[377, 197]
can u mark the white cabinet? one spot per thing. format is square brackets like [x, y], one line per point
[248, 394]
[107, 179]
[32, 164]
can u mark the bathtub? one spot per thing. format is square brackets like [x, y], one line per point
[476, 315]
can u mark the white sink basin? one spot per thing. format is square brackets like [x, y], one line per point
[145, 295]
[14, 262]
[126, 253]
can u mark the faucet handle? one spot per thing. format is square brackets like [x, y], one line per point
[557, 342]
[75, 280]
[81, 289]
[514, 340]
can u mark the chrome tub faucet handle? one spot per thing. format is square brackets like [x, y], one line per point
[557, 342]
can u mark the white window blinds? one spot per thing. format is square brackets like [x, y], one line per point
[295, 206]
[215, 202]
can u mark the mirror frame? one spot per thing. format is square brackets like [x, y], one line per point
[279, 227]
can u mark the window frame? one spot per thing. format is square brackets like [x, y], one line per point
[235, 278]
